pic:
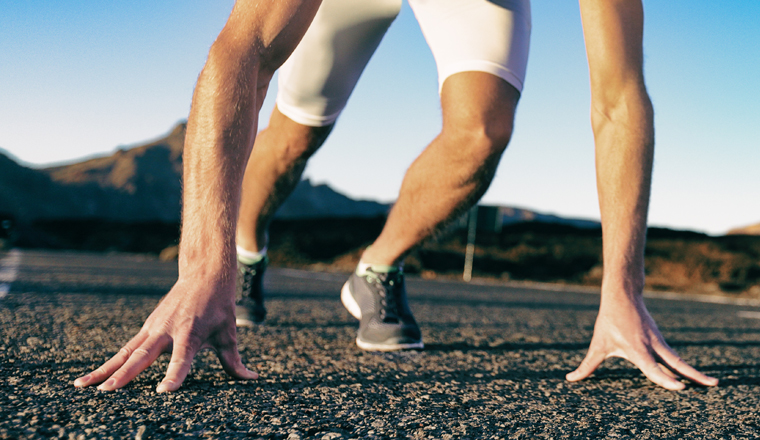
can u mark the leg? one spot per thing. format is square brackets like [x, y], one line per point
[314, 86]
[274, 169]
[455, 169]
[450, 175]
[481, 51]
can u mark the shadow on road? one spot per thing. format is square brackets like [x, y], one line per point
[507, 346]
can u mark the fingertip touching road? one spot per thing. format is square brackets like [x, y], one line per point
[493, 366]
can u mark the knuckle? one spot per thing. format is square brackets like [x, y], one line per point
[182, 362]
[186, 344]
[226, 345]
[141, 352]
[165, 327]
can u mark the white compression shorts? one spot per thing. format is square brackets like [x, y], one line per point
[314, 84]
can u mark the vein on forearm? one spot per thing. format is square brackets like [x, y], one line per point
[220, 134]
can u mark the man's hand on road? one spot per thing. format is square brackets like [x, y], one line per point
[625, 329]
[192, 316]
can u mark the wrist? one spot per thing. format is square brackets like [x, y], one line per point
[623, 284]
[614, 300]
[213, 264]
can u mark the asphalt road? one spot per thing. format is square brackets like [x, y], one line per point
[493, 366]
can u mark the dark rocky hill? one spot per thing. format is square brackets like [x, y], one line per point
[746, 230]
[140, 184]
[130, 201]
[145, 182]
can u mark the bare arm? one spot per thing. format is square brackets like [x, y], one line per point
[623, 124]
[199, 311]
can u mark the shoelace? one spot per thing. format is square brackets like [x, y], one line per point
[248, 273]
[387, 288]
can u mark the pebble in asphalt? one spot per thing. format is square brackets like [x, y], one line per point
[493, 366]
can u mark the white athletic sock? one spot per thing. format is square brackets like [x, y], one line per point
[250, 257]
[361, 269]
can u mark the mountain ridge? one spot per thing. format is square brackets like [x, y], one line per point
[745, 230]
[139, 184]
[143, 183]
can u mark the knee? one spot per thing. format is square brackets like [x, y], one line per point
[483, 140]
[496, 133]
[478, 112]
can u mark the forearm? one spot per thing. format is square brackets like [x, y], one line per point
[220, 133]
[624, 152]
[199, 310]
[622, 119]
[222, 125]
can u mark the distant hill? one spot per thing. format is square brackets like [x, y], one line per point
[746, 230]
[321, 201]
[145, 180]
[140, 184]
[518, 215]
[143, 184]
[28, 194]
[130, 201]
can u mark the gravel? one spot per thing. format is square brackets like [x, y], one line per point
[493, 366]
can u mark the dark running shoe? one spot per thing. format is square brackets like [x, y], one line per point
[249, 307]
[378, 300]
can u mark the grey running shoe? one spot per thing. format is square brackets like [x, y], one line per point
[378, 300]
[249, 307]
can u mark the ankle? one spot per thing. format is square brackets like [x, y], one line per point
[372, 257]
[249, 257]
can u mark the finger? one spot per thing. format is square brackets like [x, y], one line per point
[229, 356]
[675, 363]
[179, 367]
[653, 372]
[590, 363]
[104, 371]
[665, 369]
[139, 360]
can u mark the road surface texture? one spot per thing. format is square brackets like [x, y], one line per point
[493, 366]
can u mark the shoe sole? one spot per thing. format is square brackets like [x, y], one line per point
[247, 323]
[353, 308]
[349, 302]
[369, 346]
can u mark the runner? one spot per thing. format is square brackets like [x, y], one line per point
[481, 50]
[478, 101]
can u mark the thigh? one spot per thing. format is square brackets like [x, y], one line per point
[491, 36]
[316, 81]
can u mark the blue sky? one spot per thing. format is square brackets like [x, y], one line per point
[79, 78]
